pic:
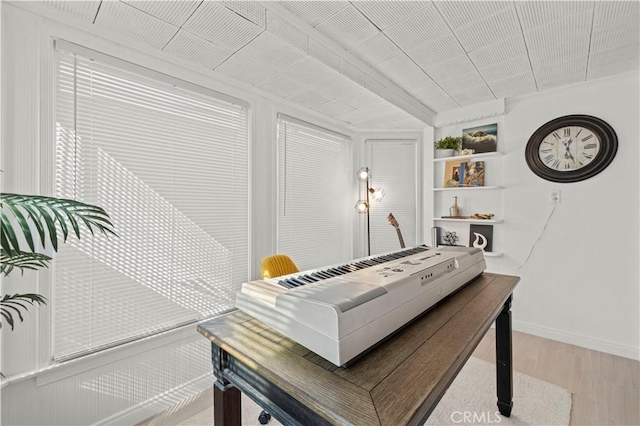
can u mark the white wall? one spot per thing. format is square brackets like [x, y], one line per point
[581, 284]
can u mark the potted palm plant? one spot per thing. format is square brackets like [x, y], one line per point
[27, 218]
[446, 146]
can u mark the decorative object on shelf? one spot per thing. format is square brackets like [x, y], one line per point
[435, 236]
[463, 174]
[482, 216]
[393, 222]
[472, 174]
[446, 146]
[450, 238]
[571, 148]
[481, 139]
[481, 236]
[466, 152]
[454, 210]
[362, 205]
[454, 217]
[452, 174]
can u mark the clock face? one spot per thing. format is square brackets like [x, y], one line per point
[569, 148]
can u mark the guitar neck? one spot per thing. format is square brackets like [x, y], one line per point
[400, 237]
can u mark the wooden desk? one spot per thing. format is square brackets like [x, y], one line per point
[399, 382]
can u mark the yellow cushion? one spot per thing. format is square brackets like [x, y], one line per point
[276, 265]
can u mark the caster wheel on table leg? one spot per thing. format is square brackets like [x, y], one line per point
[264, 417]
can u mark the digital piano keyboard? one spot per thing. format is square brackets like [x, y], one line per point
[341, 311]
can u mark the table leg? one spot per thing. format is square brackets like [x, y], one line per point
[226, 404]
[504, 364]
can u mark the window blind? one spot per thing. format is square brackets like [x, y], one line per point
[171, 167]
[315, 187]
[393, 167]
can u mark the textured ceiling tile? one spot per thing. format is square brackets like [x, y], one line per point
[441, 104]
[628, 33]
[438, 50]
[175, 12]
[397, 67]
[324, 54]
[376, 109]
[349, 70]
[377, 49]
[501, 51]
[359, 98]
[309, 70]
[420, 28]
[279, 85]
[314, 12]
[218, 24]
[560, 31]
[347, 27]
[136, 24]
[557, 71]
[489, 30]
[623, 53]
[514, 86]
[575, 48]
[245, 70]
[386, 13]
[287, 32]
[85, 10]
[506, 69]
[353, 116]
[271, 50]
[308, 97]
[611, 68]
[562, 80]
[375, 86]
[461, 13]
[612, 13]
[471, 79]
[332, 108]
[537, 13]
[413, 80]
[473, 95]
[192, 48]
[336, 86]
[249, 10]
[455, 66]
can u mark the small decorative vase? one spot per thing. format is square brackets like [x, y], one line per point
[444, 153]
[454, 210]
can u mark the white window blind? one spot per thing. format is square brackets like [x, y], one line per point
[315, 181]
[393, 168]
[171, 167]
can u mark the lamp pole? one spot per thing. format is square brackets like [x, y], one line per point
[368, 228]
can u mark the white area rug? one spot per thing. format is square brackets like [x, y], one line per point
[471, 400]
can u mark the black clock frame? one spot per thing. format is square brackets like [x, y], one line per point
[608, 148]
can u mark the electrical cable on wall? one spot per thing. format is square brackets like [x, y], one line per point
[540, 237]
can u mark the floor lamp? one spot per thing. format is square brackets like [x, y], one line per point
[362, 206]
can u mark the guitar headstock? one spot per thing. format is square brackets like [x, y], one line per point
[392, 221]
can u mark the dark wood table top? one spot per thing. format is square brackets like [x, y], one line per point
[399, 382]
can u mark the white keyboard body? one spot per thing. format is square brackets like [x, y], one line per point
[341, 317]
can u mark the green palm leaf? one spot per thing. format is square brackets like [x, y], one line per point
[45, 213]
[22, 260]
[11, 305]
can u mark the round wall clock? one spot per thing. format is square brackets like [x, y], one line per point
[571, 148]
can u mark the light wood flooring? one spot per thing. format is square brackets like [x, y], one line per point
[605, 388]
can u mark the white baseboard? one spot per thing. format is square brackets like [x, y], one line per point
[577, 340]
[156, 405]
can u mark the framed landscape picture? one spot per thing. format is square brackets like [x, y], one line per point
[481, 139]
